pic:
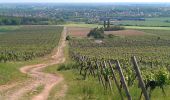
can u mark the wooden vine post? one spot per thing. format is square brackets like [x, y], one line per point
[123, 80]
[82, 64]
[138, 73]
[115, 80]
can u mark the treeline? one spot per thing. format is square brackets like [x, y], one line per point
[9, 20]
[108, 27]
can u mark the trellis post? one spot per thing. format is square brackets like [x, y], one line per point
[123, 80]
[138, 73]
[115, 80]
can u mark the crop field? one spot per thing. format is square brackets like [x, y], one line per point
[125, 32]
[78, 31]
[21, 43]
[83, 31]
[93, 50]
[127, 27]
[149, 22]
[151, 47]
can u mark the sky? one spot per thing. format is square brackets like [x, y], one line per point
[59, 1]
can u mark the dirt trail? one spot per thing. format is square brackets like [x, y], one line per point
[41, 78]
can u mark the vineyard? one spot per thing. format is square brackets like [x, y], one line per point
[101, 60]
[21, 43]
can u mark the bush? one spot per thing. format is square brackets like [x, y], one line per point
[97, 33]
[68, 38]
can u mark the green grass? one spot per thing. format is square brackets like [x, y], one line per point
[53, 93]
[143, 27]
[9, 28]
[78, 89]
[149, 22]
[9, 72]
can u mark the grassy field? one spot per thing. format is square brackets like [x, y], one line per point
[9, 73]
[9, 28]
[127, 27]
[149, 22]
[151, 28]
[23, 45]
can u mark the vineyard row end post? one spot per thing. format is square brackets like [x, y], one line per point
[123, 80]
[138, 73]
[115, 80]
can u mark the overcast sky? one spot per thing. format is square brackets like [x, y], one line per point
[11, 1]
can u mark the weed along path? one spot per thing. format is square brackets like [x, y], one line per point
[40, 78]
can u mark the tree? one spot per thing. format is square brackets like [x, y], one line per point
[68, 38]
[97, 33]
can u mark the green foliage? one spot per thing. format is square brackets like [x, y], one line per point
[9, 73]
[28, 42]
[68, 38]
[163, 77]
[97, 33]
[6, 20]
[147, 48]
[68, 66]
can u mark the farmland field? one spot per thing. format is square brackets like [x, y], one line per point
[78, 31]
[149, 22]
[151, 47]
[83, 25]
[84, 50]
[83, 31]
[18, 43]
[146, 46]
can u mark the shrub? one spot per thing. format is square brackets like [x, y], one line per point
[68, 38]
[97, 33]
